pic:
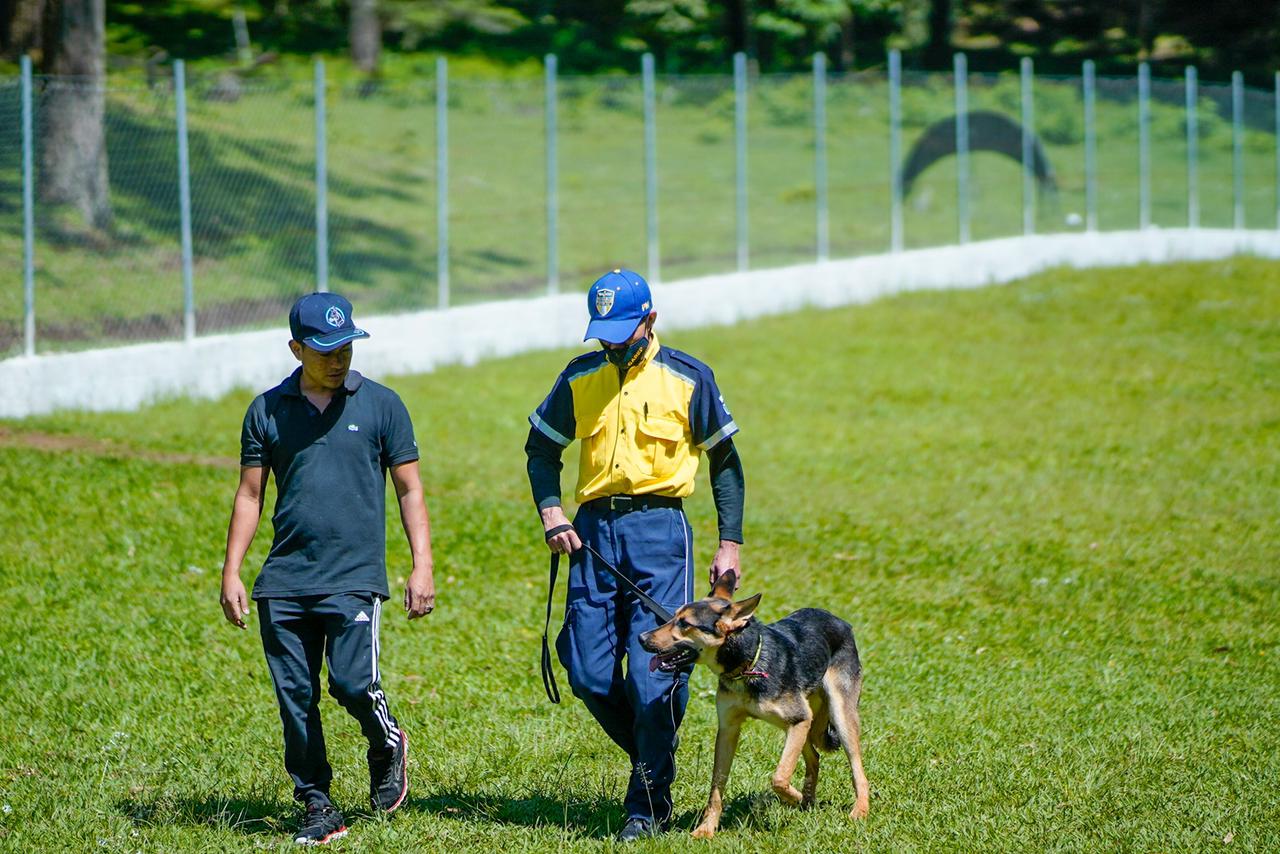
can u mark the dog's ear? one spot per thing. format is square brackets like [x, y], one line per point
[744, 609]
[724, 586]
[738, 614]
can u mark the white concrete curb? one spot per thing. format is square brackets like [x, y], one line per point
[123, 378]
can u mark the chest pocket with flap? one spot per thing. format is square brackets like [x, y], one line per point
[659, 440]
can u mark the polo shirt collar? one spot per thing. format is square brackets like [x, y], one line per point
[293, 383]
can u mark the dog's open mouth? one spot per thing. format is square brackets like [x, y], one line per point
[680, 655]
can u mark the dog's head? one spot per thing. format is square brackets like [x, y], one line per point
[699, 629]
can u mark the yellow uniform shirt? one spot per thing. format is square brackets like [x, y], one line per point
[642, 432]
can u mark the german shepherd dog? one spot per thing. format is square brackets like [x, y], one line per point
[801, 674]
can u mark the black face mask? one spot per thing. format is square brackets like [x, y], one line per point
[628, 356]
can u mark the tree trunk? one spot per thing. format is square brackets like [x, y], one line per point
[847, 42]
[366, 35]
[20, 27]
[73, 143]
[937, 52]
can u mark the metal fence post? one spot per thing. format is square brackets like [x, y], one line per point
[322, 184]
[28, 217]
[651, 167]
[1090, 147]
[1028, 151]
[962, 147]
[553, 180]
[740, 151]
[1193, 148]
[1237, 148]
[895, 150]
[1144, 145]
[184, 201]
[820, 154]
[442, 182]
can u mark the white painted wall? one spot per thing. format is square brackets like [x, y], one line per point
[122, 378]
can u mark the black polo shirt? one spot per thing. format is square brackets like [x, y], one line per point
[331, 481]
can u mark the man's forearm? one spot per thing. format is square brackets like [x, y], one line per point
[728, 488]
[245, 512]
[544, 469]
[417, 527]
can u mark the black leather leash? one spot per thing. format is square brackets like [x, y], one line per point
[646, 601]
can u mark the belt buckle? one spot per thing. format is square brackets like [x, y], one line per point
[621, 503]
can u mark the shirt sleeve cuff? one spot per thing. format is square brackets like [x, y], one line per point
[407, 456]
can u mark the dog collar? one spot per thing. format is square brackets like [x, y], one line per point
[750, 668]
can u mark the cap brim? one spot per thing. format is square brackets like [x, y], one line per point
[612, 331]
[334, 340]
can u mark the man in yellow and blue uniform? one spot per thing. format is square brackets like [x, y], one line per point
[644, 415]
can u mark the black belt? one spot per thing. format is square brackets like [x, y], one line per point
[646, 601]
[627, 503]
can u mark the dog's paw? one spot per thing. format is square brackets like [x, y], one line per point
[704, 832]
[860, 810]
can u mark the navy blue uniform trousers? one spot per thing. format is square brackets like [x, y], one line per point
[640, 710]
[341, 629]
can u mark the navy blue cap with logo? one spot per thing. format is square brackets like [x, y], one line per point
[323, 322]
[618, 301]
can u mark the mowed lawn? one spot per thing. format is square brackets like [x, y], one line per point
[1049, 510]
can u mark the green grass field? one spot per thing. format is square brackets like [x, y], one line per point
[1048, 509]
[253, 190]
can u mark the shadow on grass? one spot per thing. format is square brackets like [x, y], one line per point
[250, 814]
[598, 818]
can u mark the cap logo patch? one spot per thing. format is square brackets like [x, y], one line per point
[334, 317]
[604, 301]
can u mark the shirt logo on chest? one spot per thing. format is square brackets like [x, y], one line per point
[354, 428]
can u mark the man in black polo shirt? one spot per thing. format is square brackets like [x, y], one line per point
[329, 436]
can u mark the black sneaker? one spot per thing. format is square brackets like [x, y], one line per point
[321, 825]
[640, 828]
[389, 775]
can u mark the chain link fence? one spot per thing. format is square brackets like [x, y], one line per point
[533, 184]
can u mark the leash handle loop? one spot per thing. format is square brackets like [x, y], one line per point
[559, 529]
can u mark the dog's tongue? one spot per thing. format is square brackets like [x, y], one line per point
[653, 664]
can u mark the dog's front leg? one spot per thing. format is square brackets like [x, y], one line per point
[811, 760]
[730, 727]
[797, 738]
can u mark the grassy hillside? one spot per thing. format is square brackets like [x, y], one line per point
[1048, 509]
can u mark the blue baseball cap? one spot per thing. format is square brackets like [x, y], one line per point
[323, 322]
[618, 301]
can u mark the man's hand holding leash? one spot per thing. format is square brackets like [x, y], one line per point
[563, 543]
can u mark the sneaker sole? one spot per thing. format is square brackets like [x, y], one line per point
[404, 781]
[337, 834]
